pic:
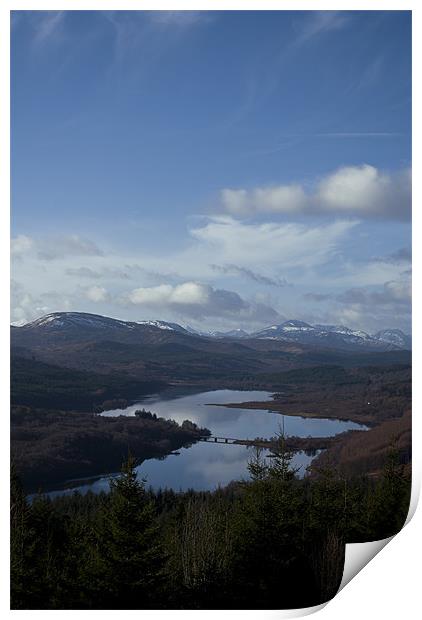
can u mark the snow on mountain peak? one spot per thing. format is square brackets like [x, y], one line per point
[159, 324]
[79, 319]
[336, 336]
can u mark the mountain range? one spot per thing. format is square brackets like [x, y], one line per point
[65, 326]
[151, 351]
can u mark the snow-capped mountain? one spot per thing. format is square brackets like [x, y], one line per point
[284, 330]
[175, 327]
[81, 326]
[395, 337]
[60, 327]
[335, 336]
[63, 320]
[233, 333]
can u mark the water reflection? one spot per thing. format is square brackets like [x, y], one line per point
[207, 466]
[237, 423]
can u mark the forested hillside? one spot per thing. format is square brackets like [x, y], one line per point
[273, 542]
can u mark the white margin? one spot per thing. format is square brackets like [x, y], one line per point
[357, 555]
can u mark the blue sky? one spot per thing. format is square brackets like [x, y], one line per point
[216, 168]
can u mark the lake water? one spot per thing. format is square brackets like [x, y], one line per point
[206, 465]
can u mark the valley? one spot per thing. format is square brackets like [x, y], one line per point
[69, 367]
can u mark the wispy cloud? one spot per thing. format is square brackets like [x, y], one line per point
[52, 248]
[358, 134]
[319, 23]
[182, 19]
[48, 25]
[146, 36]
[393, 293]
[399, 257]
[287, 141]
[266, 71]
[259, 278]
[368, 76]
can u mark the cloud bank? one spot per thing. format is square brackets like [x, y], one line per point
[54, 247]
[360, 191]
[227, 273]
[199, 301]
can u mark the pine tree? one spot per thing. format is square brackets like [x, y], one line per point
[281, 466]
[268, 531]
[130, 558]
[392, 496]
[256, 465]
[21, 544]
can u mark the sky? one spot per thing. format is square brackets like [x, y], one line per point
[219, 169]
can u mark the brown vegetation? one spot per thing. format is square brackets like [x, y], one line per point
[52, 446]
[378, 397]
[365, 452]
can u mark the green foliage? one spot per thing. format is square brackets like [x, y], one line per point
[272, 542]
[391, 497]
[129, 554]
[21, 545]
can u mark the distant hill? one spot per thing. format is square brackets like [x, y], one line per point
[157, 350]
[75, 325]
[40, 385]
[336, 336]
[395, 337]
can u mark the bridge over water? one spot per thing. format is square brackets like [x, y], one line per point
[294, 444]
[231, 440]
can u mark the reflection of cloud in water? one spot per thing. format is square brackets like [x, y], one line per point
[237, 423]
[220, 466]
[205, 466]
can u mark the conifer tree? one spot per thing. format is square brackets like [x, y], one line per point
[392, 496]
[281, 466]
[21, 544]
[130, 557]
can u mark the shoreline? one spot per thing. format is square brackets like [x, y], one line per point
[283, 409]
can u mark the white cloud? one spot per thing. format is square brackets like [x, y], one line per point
[54, 247]
[67, 245]
[188, 293]
[392, 293]
[399, 290]
[368, 307]
[279, 199]
[352, 188]
[27, 306]
[362, 191]
[47, 24]
[365, 190]
[20, 245]
[250, 244]
[197, 300]
[176, 18]
[96, 293]
[163, 293]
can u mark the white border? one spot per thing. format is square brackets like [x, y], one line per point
[389, 586]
